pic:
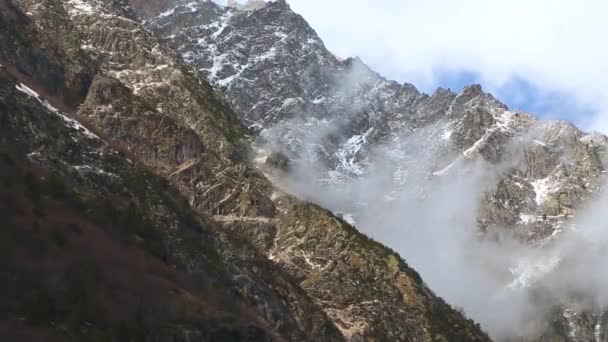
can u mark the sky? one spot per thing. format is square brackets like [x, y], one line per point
[547, 57]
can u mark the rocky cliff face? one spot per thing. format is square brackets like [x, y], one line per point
[312, 108]
[162, 176]
[283, 82]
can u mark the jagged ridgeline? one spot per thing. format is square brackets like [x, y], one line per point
[131, 211]
[316, 114]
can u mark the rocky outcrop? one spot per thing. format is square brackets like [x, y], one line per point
[95, 246]
[153, 112]
[315, 109]
[63, 70]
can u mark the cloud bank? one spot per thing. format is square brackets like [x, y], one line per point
[545, 53]
[552, 48]
[511, 288]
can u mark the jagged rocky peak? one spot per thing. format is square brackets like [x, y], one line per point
[167, 175]
[297, 270]
[250, 5]
[282, 81]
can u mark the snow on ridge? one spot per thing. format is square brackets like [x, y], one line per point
[504, 122]
[89, 169]
[250, 5]
[69, 121]
[165, 13]
[447, 134]
[448, 168]
[79, 7]
[348, 217]
[191, 6]
[221, 24]
[527, 218]
[571, 317]
[543, 188]
[28, 91]
[270, 54]
[346, 155]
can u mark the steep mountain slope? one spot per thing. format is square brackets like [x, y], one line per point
[332, 116]
[84, 256]
[278, 268]
[277, 74]
[248, 277]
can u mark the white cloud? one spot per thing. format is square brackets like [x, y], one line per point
[557, 46]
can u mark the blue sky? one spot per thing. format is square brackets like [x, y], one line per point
[546, 57]
[517, 94]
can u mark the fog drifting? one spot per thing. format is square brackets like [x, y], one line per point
[431, 220]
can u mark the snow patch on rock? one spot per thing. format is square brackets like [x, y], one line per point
[527, 272]
[543, 188]
[69, 121]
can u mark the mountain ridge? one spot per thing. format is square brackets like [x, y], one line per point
[329, 117]
[157, 117]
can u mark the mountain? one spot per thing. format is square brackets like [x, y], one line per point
[131, 209]
[316, 113]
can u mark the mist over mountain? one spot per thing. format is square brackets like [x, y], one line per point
[179, 170]
[481, 200]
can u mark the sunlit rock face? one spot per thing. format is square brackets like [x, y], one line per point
[281, 80]
[206, 246]
[334, 118]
